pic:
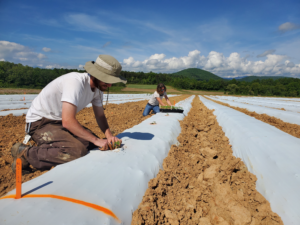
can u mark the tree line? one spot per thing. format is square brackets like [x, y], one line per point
[19, 76]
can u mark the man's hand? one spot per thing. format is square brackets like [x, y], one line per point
[113, 139]
[102, 144]
[102, 123]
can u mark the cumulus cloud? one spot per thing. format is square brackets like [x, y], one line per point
[214, 59]
[80, 66]
[265, 53]
[159, 62]
[45, 49]
[288, 26]
[54, 66]
[288, 63]
[18, 53]
[216, 63]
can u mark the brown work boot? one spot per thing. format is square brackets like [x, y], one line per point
[19, 150]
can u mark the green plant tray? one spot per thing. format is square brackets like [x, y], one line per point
[171, 110]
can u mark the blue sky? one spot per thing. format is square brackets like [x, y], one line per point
[228, 38]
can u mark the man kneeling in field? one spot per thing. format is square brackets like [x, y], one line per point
[51, 119]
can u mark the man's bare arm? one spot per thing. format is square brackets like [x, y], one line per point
[70, 122]
[102, 123]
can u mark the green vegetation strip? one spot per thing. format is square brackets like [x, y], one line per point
[171, 107]
[19, 76]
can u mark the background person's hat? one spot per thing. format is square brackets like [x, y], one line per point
[106, 68]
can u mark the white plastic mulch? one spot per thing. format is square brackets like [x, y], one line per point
[270, 107]
[15, 102]
[116, 180]
[269, 153]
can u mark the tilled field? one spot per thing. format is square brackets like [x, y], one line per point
[202, 182]
[12, 129]
[292, 129]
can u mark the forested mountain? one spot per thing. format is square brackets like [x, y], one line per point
[19, 76]
[198, 74]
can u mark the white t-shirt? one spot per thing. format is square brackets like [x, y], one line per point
[72, 87]
[153, 100]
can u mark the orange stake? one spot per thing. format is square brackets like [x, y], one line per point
[18, 178]
[174, 102]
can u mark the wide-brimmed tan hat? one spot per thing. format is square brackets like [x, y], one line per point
[106, 68]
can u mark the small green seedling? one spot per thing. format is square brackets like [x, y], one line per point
[117, 144]
[153, 123]
[114, 145]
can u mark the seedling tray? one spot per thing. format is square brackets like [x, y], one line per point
[171, 110]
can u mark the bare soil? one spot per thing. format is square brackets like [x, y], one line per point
[292, 129]
[202, 182]
[11, 109]
[198, 92]
[12, 129]
[19, 91]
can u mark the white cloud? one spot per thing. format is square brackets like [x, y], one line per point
[157, 56]
[157, 28]
[84, 22]
[129, 61]
[288, 63]
[18, 53]
[214, 59]
[80, 66]
[106, 44]
[216, 63]
[54, 66]
[288, 26]
[2, 60]
[265, 53]
[158, 62]
[45, 49]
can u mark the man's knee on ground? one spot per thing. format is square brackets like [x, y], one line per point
[75, 152]
[80, 150]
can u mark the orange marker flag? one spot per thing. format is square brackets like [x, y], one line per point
[18, 178]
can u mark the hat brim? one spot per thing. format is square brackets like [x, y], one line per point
[110, 79]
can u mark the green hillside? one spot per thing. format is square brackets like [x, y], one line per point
[198, 74]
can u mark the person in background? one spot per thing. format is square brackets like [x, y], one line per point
[156, 100]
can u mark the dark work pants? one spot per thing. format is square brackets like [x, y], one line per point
[55, 144]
